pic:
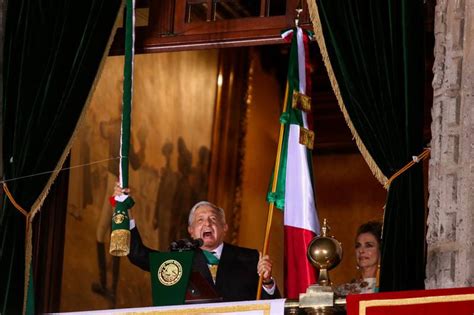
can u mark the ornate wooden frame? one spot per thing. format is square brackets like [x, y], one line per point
[225, 179]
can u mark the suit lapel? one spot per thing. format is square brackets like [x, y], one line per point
[225, 266]
[200, 265]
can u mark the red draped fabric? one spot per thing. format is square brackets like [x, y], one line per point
[459, 301]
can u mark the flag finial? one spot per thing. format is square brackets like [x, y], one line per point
[299, 9]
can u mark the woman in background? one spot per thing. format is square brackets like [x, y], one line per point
[367, 250]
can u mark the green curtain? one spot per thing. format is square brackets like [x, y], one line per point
[2, 32]
[375, 48]
[52, 54]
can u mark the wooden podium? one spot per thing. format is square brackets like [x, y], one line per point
[200, 291]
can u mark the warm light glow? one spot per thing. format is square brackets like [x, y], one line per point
[219, 80]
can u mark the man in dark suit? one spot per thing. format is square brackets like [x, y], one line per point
[231, 270]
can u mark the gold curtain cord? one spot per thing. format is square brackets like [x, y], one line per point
[13, 201]
[28, 235]
[416, 159]
[27, 215]
[57, 170]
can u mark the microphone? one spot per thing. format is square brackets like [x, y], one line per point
[186, 244]
[176, 245]
[198, 242]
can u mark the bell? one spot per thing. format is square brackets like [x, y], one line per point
[324, 253]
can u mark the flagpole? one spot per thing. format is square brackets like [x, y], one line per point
[274, 185]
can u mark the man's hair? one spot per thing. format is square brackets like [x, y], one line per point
[372, 227]
[219, 211]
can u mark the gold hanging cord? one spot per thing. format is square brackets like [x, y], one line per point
[28, 234]
[416, 159]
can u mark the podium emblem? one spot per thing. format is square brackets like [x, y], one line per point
[170, 272]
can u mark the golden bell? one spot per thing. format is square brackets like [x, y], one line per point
[324, 253]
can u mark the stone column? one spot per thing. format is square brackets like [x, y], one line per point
[450, 233]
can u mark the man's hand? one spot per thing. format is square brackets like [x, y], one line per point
[119, 191]
[264, 269]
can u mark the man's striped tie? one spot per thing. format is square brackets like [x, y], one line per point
[212, 263]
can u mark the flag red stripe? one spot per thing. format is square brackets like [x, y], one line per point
[299, 273]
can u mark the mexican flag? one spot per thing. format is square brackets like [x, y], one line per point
[294, 190]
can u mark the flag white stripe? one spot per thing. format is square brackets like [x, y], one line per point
[300, 207]
[301, 61]
[287, 33]
[305, 120]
